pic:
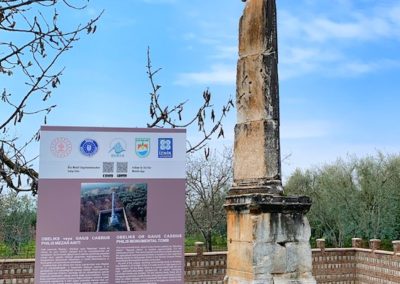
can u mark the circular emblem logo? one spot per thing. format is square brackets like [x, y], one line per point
[89, 147]
[61, 147]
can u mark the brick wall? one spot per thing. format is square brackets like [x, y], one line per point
[380, 267]
[204, 267]
[357, 265]
[17, 271]
[333, 265]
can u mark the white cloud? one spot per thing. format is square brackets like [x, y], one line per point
[371, 26]
[343, 67]
[219, 74]
[297, 61]
[320, 44]
[394, 14]
[324, 44]
[356, 68]
[215, 38]
[361, 28]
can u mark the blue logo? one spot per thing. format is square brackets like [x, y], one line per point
[89, 147]
[165, 147]
[117, 148]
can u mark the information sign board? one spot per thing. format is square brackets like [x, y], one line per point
[111, 206]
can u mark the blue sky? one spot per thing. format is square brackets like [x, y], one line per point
[339, 64]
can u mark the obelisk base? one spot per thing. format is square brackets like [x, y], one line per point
[268, 240]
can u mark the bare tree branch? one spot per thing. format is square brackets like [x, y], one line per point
[172, 116]
[31, 46]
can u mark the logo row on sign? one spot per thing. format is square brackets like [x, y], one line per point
[62, 147]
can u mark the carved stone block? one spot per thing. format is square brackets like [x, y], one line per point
[257, 151]
[257, 88]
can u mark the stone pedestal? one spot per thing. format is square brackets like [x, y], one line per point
[374, 244]
[268, 240]
[321, 244]
[396, 247]
[356, 242]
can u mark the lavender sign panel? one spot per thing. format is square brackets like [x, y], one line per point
[111, 206]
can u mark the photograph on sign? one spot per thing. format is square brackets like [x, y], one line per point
[107, 207]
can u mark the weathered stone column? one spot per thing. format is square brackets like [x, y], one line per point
[268, 233]
[257, 145]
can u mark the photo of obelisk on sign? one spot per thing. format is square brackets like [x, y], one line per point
[268, 233]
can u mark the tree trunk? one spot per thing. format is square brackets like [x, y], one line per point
[208, 238]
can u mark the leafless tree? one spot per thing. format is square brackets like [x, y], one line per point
[207, 119]
[32, 42]
[208, 181]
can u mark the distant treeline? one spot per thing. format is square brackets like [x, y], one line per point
[356, 197]
[17, 222]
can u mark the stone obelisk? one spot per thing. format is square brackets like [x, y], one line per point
[268, 233]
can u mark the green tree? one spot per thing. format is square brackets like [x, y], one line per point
[379, 183]
[17, 220]
[135, 201]
[358, 197]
